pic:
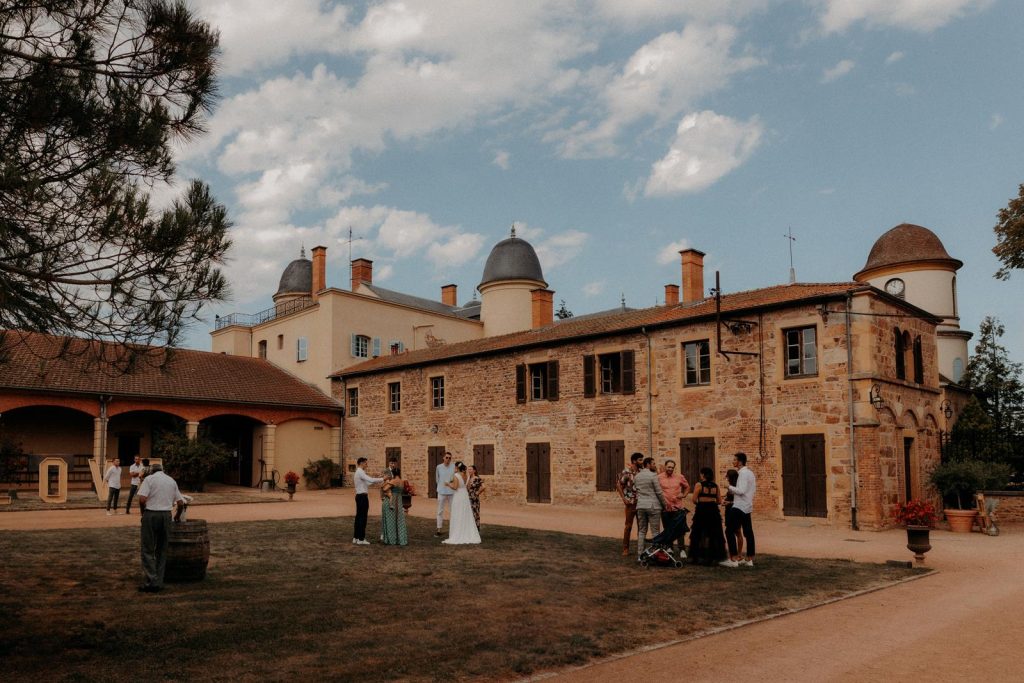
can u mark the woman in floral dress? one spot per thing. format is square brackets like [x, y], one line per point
[475, 486]
[392, 514]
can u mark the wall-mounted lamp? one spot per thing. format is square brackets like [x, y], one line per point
[433, 429]
[875, 396]
[947, 409]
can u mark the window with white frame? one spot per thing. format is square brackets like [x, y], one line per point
[301, 349]
[697, 363]
[360, 346]
[437, 392]
[801, 351]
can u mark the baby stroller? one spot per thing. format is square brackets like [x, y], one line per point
[659, 553]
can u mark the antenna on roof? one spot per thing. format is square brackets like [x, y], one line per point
[302, 251]
[513, 229]
[792, 271]
[350, 240]
[623, 296]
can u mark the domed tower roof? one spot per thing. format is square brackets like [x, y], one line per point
[512, 259]
[297, 277]
[905, 244]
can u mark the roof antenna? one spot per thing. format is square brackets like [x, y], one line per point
[623, 295]
[792, 271]
[513, 229]
[302, 251]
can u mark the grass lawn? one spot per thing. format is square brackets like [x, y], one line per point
[295, 598]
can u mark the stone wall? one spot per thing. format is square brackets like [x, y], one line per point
[1011, 505]
[481, 408]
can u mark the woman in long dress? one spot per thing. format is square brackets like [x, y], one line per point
[475, 486]
[392, 514]
[707, 540]
[462, 529]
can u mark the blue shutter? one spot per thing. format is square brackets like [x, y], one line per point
[302, 349]
[376, 346]
[352, 346]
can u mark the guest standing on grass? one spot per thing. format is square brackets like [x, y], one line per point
[475, 487]
[743, 507]
[675, 487]
[650, 501]
[626, 488]
[735, 551]
[444, 473]
[392, 514]
[707, 543]
[158, 494]
[113, 479]
[135, 470]
[386, 475]
[363, 482]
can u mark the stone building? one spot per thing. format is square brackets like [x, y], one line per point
[833, 390]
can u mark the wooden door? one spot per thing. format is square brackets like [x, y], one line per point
[695, 453]
[435, 456]
[538, 473]
[804, 476]
[611, 458]
[393, 453]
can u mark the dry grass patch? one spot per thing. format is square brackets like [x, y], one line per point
[286, 598]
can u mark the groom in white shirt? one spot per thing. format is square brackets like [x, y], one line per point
[443, 474]
[363, 481]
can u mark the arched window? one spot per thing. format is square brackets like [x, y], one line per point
[958, 369]
[908, 358]
[898, 349]
[918, 361]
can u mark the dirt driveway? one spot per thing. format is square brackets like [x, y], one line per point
[963, 623]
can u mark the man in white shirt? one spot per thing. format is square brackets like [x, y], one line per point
[136, 471]
[158, 494]
[363, 482]
[743, 506]
[443, 474]
[113, 479]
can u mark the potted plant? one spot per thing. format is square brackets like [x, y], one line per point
[291, 480]
[408, 491]
[919, 517]
[958, 481]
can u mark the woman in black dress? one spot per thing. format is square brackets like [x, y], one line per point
[707, 540]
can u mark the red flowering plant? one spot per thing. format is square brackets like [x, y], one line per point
[291, 478]
[916, 513]
[408, 489]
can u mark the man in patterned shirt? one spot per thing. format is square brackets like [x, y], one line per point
[627, 492]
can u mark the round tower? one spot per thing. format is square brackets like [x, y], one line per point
[910, 263]
[511, 275]
[296, 281]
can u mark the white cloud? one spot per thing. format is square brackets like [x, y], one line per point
[707, 146]
[915, 15]
[894, 57]
[995, 121]
[670, 252]
[659, 81]
[595, 288]
[651, 11]
[838, 71]
[560, 248]
[456, 250]
[501, 159]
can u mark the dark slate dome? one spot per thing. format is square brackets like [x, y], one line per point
[907, 243]
[512, 259]
[297, 277]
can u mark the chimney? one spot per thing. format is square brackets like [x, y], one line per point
[542, 307]
[448, 295]
[362, 271]
[671, 295]
[693, 275]
[319, 270]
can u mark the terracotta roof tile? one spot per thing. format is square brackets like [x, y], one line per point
[572, 328]
[39, 362]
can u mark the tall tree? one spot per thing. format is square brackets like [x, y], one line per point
[93, 94]
[995, 379]
[1010, 236]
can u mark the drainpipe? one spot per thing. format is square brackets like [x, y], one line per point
[853, 432]
[650, 396]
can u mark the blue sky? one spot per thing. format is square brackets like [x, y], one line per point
[613, 133]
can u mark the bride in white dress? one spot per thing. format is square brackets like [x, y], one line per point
[462, 528]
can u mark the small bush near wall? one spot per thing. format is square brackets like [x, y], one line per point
[190, 461]
[319, 473]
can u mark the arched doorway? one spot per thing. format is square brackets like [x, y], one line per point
[237, 433]
[50, 431]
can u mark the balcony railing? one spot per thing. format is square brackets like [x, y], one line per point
[253, 319]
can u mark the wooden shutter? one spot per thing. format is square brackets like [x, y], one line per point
[393, 453]
[602, 465]
[520, 384]
[688, 466]
[589, 387]
[544, 475]
[532, 465]
[813, 447]
[628, 373]
[706, 455]
[552, 380]
[376, 346]
[918, 361]
[793, 497]
[435, 455]
[901, 372]
[352, 345]
[483, 458]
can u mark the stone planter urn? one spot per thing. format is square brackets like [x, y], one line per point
[918, 541]
[291, 491]
[961, 521]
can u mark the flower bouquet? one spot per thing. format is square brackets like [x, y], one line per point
[408, 491]
[916, 513]
[291, 480]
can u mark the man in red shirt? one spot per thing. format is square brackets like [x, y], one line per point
[675, 487]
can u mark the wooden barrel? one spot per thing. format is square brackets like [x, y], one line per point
[188, 551]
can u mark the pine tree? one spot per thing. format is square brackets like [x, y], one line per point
[995, 379]
[93, 94]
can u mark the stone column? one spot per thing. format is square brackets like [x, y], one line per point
[269, 450]
[191, 430]
[336, 449]
[99, 456]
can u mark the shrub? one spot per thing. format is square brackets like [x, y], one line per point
[190, 461]
[959, 480]
[318, 473]
[12, 460]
